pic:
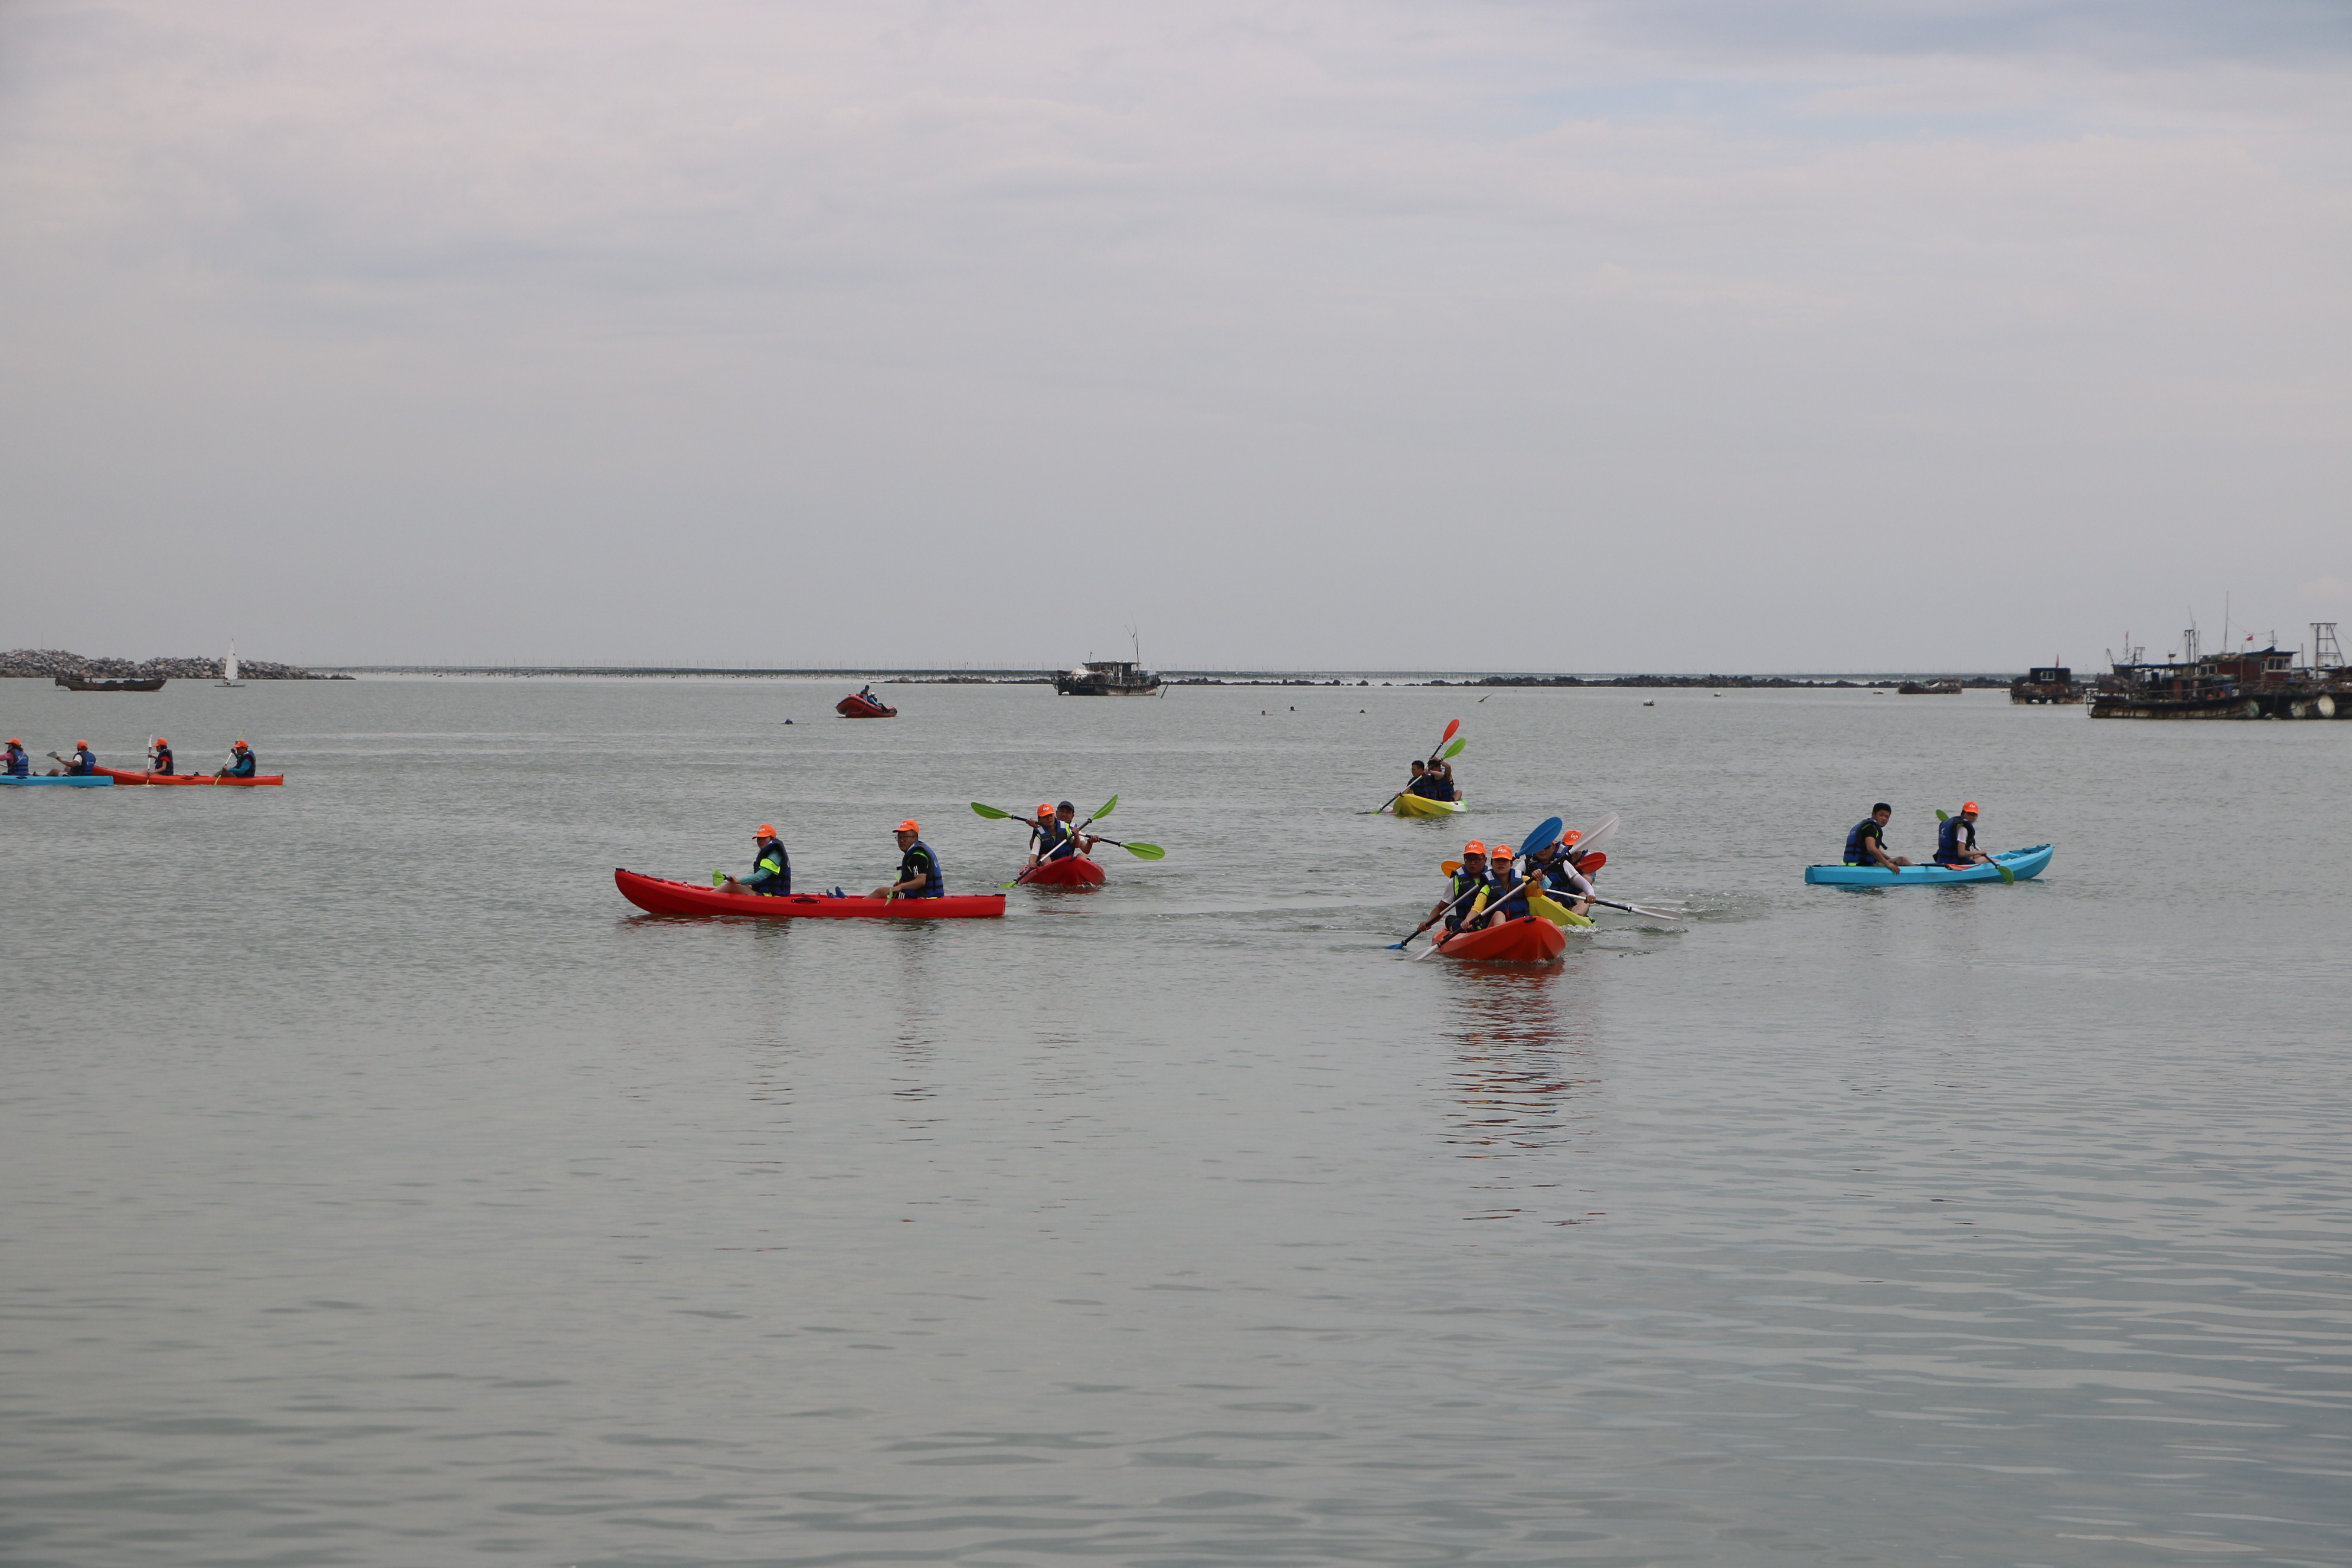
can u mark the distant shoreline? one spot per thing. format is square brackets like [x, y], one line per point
[1181, 678]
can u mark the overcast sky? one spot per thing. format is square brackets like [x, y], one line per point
[1628, 334]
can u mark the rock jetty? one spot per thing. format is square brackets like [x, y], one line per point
[47, 663]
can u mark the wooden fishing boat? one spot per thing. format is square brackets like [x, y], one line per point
[659, 895]
[83, 683]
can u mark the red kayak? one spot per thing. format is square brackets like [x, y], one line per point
[1069, 871]
[1527, 939]
[659, 895]
[123, 777]
[855, 706]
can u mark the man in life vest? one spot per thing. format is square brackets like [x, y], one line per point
[1562, 872]
[80, 765]
[1507, 900]
[1866, 842]
[1052, 836]
[18, 762]
[771, 869]
[919, 876]
[1956, 840]
[241, 764]
[1461, 889]
[1437, 778]
[159, 757]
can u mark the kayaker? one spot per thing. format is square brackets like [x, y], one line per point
[18, 762]
[1461, 889]
[919, 869]
[1865, 843]
[1558, 868]
[1065, 818]
[771, 869]
[1418, 784]
[1956, 840]
[1438, 776]
[241, 762]
[159, 757]
[81, 764]
[1506, 899]
[1052, 837]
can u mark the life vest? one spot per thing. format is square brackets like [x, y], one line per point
[1855, 855]
[242, 763]
[84, 764]
[20, 762]
[1057, 841]
[918, 861]
[163, 761]
[1511, 907]
[773, 875]
[1950, 851]
[1459, 888]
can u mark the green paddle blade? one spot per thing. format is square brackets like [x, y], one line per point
[1144, 851]
[1454, 750]
[1107, 808]
[991, 813]
[1943, 817]
[717, 878]
[2006, 874]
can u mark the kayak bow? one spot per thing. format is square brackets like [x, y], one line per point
[1070, 871]
[1527, 939]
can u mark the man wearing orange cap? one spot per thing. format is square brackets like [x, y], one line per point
[771, 869]
[1461, 890]
[81, 764]
[1956, 840]
[18, 762]
[159, 757]
[919, 876]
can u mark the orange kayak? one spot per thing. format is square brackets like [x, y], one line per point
[659, 895]
[1527, 939]
[124, 776]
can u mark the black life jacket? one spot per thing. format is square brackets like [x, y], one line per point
[918, 861]
[1950, 851]
[1854, 853]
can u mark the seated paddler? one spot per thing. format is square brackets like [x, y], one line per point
[1507, 899]
[241, 762]
[81, 764]
[1437, 776]
[919, 869]
[17, 762]
[1555, 867]
[1956, 840]
[771, 869]
[1866, 841]
[159, 757]
[1461, 889]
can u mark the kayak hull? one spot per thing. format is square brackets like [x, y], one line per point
[659, 895]
[1070, 871]
[85, 782]
[124, 775]
[1527, 939]
[1418, 805]
[2021, 863]
[855, 706]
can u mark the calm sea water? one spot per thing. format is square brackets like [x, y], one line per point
[381, 1189]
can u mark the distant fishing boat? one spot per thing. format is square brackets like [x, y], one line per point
[228, 667]
[85, 683]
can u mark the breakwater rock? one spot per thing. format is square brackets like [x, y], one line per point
[47, 663]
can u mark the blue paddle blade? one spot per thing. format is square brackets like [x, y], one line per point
[1545, 834]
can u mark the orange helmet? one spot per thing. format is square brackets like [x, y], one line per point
[1474, 847]
[1970, 807]
[910, 825]
[764, 831]
[1045, 808]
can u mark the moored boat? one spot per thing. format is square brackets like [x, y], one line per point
[1421, 805]
[85, 780]
[658, 895]
[85, 683]
[124, 775]
[1070, 871]
[1527, 939]
[857, 705]
[2021, 863]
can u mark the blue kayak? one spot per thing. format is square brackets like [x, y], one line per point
[2021, 863]
[92, 781]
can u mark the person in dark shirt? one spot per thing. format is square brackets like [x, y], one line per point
[81, 764]
[1956, 840]
[1866, 842]
[1438, 775]
[771, 869]
[919, 876]
[159, 757]
[1461, 889]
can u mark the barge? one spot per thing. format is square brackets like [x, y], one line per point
[2259, 683]
[1108, 677]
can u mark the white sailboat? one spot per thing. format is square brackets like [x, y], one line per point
[228, 667]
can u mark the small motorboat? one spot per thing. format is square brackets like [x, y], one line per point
[124, 775]
[657, 895]
[857, 705]
[2021, 863]
[1069, 871]
[85, 780]
[1421, 805]
[1527, 939]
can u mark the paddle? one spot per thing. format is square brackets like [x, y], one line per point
[1453, 726]
[1545, 833]
[1140, 851]
[2006, 874]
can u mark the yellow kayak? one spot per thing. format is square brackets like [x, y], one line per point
[1421, 805]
